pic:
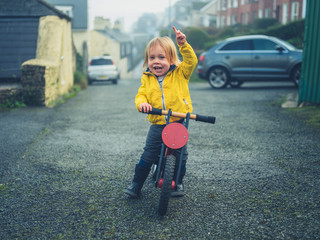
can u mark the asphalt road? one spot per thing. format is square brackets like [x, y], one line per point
[253, 175]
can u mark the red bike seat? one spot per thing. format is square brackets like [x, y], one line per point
[175, 135]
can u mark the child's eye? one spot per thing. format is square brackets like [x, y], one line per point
[151, 57]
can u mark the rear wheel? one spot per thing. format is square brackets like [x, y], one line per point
[296, 75]
[167, 183]
[218, 77]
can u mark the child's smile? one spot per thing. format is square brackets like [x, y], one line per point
[157, 61]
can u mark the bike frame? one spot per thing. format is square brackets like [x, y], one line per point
[165, 151]
[174, 136]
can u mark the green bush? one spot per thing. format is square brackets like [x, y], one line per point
[80, 79]
[264, 23]
[196, 37]
[225, 33]
[292, 32]
[79, 62]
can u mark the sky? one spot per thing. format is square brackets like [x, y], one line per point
[128, 10]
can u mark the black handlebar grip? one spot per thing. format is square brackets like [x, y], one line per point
[207, 119]
[155, 111]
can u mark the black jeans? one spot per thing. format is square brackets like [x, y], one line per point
[153, 145]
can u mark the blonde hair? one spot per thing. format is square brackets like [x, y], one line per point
[169, 48]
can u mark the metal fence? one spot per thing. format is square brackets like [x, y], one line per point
[309, 89]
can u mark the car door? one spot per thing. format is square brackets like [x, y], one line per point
[237, 55]
[268, 61]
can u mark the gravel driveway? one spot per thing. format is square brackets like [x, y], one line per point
[253, 175]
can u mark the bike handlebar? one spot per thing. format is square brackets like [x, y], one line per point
[197, 117]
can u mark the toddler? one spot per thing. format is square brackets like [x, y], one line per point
[164, 85]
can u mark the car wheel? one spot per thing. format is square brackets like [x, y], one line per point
[218, 77]
[235, 83]
[296, 75]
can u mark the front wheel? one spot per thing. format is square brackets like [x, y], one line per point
[167, 183]
[218, 77]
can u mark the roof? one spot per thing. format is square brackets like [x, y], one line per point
[208, 5]
[198, 5]
[116, 35]
[28, 8]
[79, 11]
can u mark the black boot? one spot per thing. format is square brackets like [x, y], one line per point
[140, 175]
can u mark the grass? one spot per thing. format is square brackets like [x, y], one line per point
[309, 115]
[11, 104]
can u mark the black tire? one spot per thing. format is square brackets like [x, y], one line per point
[154, 169]
[218, 77]
[166, 186]
[296, 75]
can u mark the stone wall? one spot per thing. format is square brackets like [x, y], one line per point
[40, 82]
[50, 75]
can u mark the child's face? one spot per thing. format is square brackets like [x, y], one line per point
[157, 61]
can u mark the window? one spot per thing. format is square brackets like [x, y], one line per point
[234, 19]
[260, 13]
[255, 15]
[264, 45]
[242, 2]
[235, 3]
[247, 18]
[295, 11]
[224, 5]
[222, 21]
[267, 13]
[68, 10]
[285, 13]
[237, 46]
[101, 61]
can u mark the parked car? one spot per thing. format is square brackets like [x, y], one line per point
[250, 58]
[103, 69]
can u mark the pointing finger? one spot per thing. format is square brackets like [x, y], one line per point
[174, 29]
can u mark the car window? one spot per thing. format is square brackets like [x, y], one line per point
[264, 44]
[101, 61]
[237, 46]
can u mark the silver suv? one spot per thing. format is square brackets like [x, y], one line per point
[103, 69]
[250, 58]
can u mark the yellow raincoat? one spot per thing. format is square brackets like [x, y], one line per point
[174, 94]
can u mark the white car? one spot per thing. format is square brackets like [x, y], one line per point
[103, 69]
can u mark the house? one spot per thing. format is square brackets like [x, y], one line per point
[106, 40]
[19, 23]
[223, 13]
[209, 14]
[197, 17]
[231, 12]
[36, 51]
[77, 10]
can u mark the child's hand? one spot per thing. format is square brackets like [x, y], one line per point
[180, 37]
[145, 107]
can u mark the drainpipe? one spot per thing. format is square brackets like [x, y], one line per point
[274, 8]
